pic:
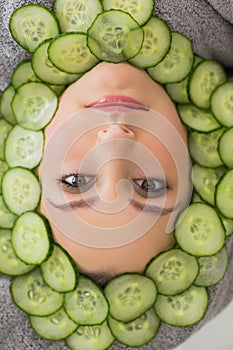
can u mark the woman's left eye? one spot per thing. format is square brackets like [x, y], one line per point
[77, 183]
[151, 187]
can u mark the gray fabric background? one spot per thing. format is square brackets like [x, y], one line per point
[210, 25]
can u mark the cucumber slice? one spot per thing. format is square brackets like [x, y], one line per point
[5, 128]
[96, 337]
[130, 296]
[115, 36]
[138, 332]
[173, 271]
[178, 92]
[23, 74]
[33, 296]
[140, 10]
[197, 119]
[225, 147]
[9, 263]
[221, 104]
[177, 63]
[59, 271]
[46, 71]
[212, 269]
[205, 78]
[228, 225]
[224, 197]
[86, 305]
[3, 168]
[34, 105]
[76, 15]
[184, 309]
[205, 180]
[200, 231]
[7, 218]
[69, 53]
[203, 148]
[31, 238]
[24, 147]
[156, 44]
[54, 327]
[21, 190]
[5, 106]
[32, 24]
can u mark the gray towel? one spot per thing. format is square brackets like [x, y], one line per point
[209, 24]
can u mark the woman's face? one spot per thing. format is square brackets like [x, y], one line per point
[116, 175]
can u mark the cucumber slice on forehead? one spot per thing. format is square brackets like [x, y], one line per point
[221, 104]
[34, 105]
[173, 271]
[130, 296]
[200, 231]
[138, 332]
[32, 24]
[76, 15]
[23, 74]
[140, 10]
[115, 36]
[69, 53]
[184, 309]
[156, 44]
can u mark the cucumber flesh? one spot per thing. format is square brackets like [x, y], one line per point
[5, 106]
[5, 128]
[3, 168]
[225, 147]
[130, 296]
[173, 271]
[138, 332]
[23, 74]
[184, 309]
[224, 197]
[221, 104]
[7, 218]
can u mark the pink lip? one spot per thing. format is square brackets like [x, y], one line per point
[117, 102]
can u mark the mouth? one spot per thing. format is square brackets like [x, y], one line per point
[117, 103]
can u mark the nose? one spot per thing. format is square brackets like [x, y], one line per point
[113, 131]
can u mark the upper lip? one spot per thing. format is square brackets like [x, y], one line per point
[117, 100]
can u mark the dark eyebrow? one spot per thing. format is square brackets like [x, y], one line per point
[82, 203]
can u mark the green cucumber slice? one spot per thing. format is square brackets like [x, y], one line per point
[221, 104]
[54, 327]
[130, 296]
[3, 168]
[86, 305]
[140, 10]
[9, 263]
[31, 238]
[76, 15]
[24, 148]
[46, 71]
[178, 92]
[173, 271]
[156, 44]
[177, 63]
[205, 78]
[98, 337]
[115, 36]
[205, 180]
[69, 53]
[34, 105]
[199, 230]
[228, 225]
[21, 190]
[203, 148]
[7, 218]
[5, 128]
[212, 269]
[33, 296]
[225, 147]
[138, 332]
[184, 309]
[32, 24]
[224, 195]
[5, 106]
[59, 271]
[23, 74]
[197, 119]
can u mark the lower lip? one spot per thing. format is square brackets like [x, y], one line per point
[116, 102]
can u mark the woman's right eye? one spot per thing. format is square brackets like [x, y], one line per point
[77, 183]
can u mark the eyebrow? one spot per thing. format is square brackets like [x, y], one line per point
[82, 203]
